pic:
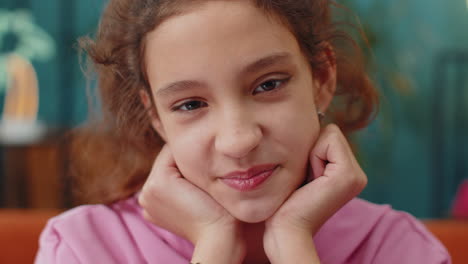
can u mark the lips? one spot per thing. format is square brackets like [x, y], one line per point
[252, 172]
[250, 179]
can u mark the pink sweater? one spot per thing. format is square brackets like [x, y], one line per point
[361, 232]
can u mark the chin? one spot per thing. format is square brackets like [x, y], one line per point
[252, 214]
[252, 219]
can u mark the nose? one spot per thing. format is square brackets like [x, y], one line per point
[238, 134]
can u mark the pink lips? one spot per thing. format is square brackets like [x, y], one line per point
[250, 179]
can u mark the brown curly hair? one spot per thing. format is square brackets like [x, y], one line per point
[113, 154]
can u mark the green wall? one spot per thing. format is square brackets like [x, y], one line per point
[415, 151]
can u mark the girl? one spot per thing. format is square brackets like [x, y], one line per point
[248, 171]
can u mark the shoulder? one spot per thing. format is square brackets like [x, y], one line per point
[75, 235]
[371, 233]
[115, 233]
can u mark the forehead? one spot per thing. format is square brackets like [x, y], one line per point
[216, 37]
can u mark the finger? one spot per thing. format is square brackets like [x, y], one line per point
[318, 164]
[157, 182]
[333, 158]
[330, 151]
[167, 178]
[164, 166]
[165, 158]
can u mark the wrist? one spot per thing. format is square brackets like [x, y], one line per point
[290, 245]
[220, 245]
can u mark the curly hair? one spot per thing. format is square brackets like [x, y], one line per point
[113, 155]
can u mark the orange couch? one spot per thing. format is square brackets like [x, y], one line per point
[19, 233]
[20, 229]
[454, 235]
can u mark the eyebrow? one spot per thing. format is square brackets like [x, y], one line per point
[270, 60]
[178, 87]
[276, 58]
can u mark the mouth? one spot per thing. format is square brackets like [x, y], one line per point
[250, 179]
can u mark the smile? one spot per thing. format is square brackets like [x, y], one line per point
[251, 179]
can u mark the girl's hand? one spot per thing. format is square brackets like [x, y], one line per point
[175, 204]
[337, 178]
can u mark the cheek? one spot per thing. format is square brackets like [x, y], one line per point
[188, 150]
[295, 125]
[297, 135]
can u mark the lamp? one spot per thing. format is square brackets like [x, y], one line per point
[19, 124]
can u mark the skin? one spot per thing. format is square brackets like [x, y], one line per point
[218, 114]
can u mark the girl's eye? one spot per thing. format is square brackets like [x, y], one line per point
[189, 106]
[269, 86]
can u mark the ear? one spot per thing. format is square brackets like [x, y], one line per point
[152, 114]
[325, 79]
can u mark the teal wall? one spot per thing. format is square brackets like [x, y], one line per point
[409, 162]
[62, 92]
[398, 151]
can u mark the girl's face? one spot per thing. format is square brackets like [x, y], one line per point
[235, 98]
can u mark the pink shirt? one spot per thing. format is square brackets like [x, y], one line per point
[361, 232]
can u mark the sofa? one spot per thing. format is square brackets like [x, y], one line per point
[19, 233]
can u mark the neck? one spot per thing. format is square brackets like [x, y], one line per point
[253, 233]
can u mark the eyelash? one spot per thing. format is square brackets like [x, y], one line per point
[186, 103]
[279, 83]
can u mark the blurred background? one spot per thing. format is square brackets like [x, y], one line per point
[414, 153]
